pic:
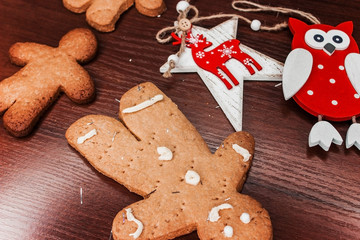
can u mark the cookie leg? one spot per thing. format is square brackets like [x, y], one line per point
[22, 116]
[103, 14]
[6, 99]
[154, 218]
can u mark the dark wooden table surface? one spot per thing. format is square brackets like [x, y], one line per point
[309, 193]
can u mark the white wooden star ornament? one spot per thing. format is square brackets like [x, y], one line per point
[234, 70]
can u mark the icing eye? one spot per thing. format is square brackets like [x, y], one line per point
[315, 38]
[339, 39]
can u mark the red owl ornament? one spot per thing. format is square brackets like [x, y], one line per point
[322, 74]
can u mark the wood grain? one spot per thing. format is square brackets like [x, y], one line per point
[309, 193]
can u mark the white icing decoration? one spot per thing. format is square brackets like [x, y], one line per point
[87, 136]
[130, 217]
[192, 178]
[113, 138]
[165, 153]
[144, 104]
[242, 151]
[228, 231]
[214, 213]
[245, 218]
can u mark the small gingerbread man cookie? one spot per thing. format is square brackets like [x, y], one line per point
[160, 156]
[47, 72]
[103, 14]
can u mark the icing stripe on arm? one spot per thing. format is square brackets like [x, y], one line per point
[144, 104]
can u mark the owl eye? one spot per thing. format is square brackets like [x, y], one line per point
[339, 39]
[315, 38]
[318, 38]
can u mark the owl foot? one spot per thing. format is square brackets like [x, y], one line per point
[323, 134]
[353, 136]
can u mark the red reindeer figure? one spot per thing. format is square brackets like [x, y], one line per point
[214, 60]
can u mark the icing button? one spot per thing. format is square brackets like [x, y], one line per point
[228, 231]
[245, 218]
[192, 178]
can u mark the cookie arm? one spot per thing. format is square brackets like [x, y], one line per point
[237, 150]
[21, 53]
[77, 84]
[246, 218]
[77, 6]
[150, 8]
[110, 148]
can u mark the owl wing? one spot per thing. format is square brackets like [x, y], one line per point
[352, 66]
[297, 69]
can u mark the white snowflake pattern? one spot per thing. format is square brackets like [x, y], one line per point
[195, 40]
[200, 54]
[227, 51]
[247, 61]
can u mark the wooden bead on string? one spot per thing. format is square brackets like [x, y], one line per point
[182, 6]
[255, 25]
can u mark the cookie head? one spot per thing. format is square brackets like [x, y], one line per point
[79, 43]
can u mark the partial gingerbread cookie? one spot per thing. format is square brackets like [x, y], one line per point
[103, 14]
[160, 156]
[47, 72]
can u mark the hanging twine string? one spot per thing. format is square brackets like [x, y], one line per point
[254, 7]
[263, 8]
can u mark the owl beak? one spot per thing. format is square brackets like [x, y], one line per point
[329, 49]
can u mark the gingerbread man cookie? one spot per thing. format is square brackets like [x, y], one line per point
[47, 72]
[160, 156]
[103, 14]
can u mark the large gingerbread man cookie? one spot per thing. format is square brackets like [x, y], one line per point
[103, 14]
[159, 155]
[47, 72]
